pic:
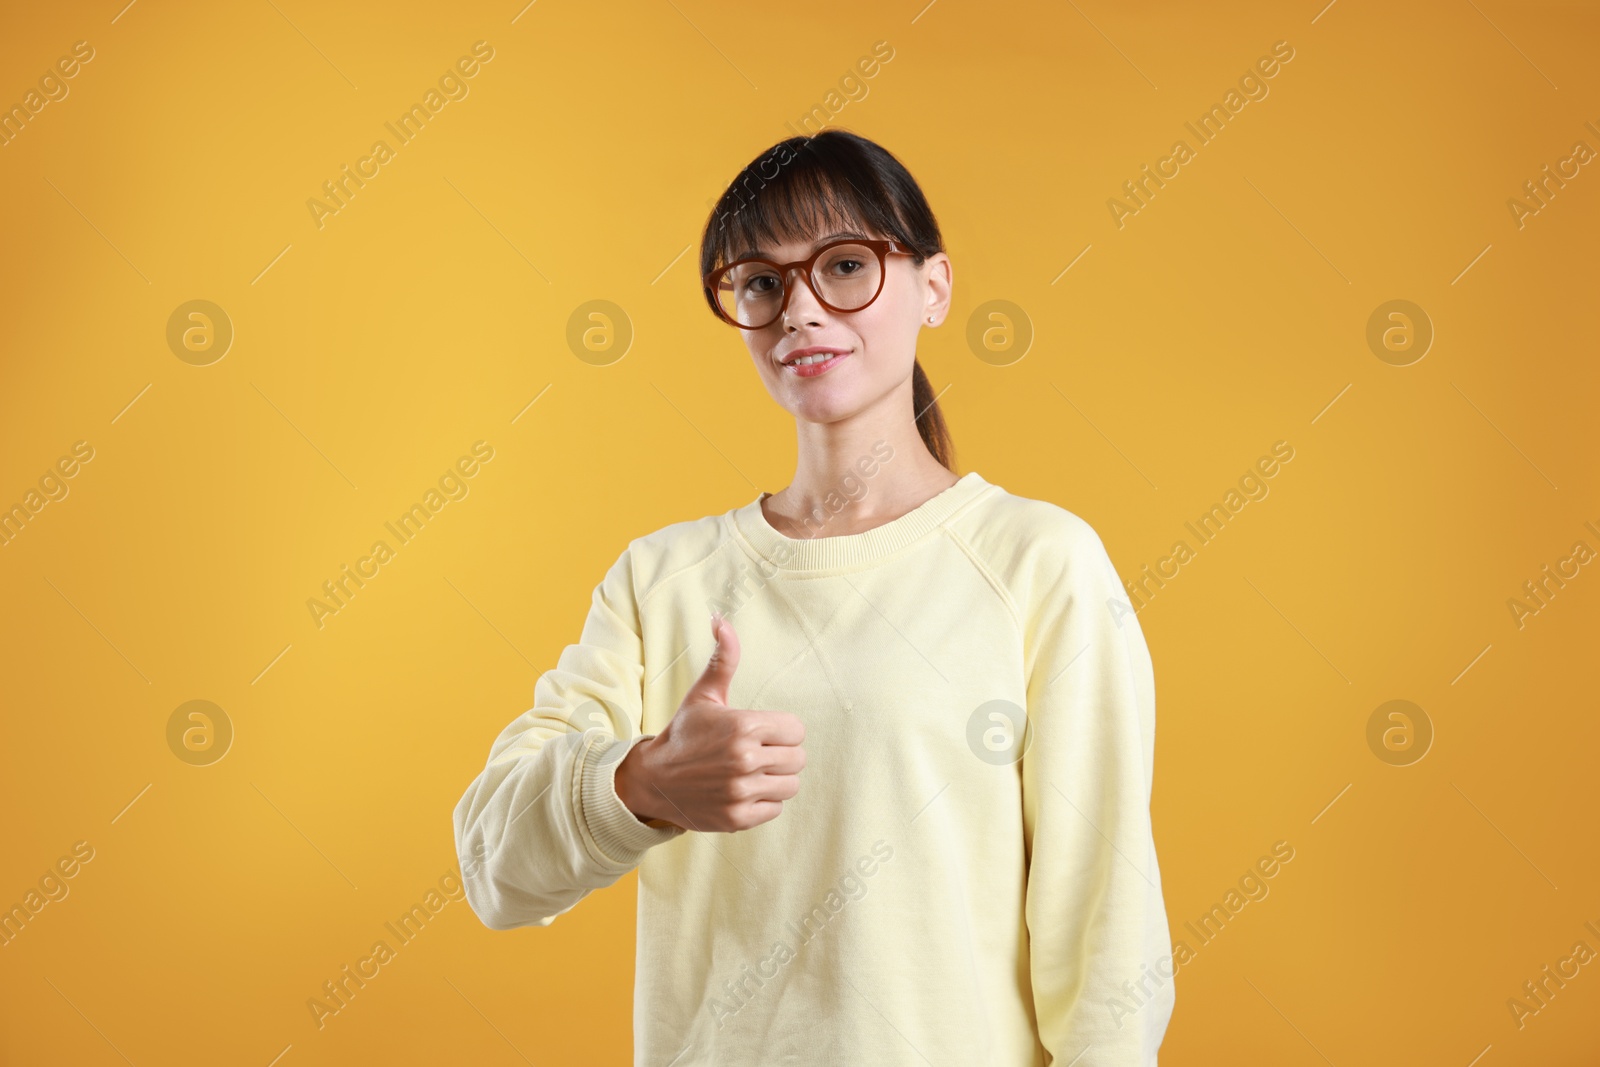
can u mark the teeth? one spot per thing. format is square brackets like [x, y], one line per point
[803, 361]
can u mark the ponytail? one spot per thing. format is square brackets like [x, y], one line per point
[930, 420]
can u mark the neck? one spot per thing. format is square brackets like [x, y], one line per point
[878, 466]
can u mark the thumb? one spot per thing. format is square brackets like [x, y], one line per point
[712, 686]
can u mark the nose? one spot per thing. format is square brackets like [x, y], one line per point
[800, 304]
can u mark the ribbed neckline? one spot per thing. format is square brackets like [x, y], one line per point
[819, 553]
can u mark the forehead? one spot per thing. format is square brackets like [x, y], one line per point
[792, 220]
[793, 248]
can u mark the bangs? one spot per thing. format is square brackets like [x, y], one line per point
[802, 202]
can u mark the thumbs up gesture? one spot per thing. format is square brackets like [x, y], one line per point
[712, 767]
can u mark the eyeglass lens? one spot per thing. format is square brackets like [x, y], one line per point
[846, 276]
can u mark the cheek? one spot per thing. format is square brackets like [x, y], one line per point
[760, 345]
[888, 330]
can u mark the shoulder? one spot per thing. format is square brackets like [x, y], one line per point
[658, 556]
[1026, 541]
[1051, 562]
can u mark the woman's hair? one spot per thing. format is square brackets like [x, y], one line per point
[801, 185]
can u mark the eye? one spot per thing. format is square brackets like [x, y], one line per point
[847, 262]
[760, 284]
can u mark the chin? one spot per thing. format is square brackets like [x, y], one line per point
[826, 406]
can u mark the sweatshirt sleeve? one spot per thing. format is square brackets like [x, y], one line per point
[1100, 947]
[542, 825]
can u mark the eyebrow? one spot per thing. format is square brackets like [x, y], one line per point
[756, 253]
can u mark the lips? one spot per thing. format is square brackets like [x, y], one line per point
[814, 350]
[826, 361]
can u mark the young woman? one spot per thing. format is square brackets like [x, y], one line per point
[901, 814]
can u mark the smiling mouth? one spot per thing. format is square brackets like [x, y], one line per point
[819, 357]
[812, 365]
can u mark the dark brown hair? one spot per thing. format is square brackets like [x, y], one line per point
[796, 188]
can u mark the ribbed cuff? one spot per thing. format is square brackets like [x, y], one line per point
[616, 832]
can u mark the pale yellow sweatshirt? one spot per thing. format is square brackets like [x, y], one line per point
[967, 876]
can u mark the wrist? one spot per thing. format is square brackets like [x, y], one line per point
[632, 786]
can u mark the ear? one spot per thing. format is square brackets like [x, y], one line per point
[937, 285]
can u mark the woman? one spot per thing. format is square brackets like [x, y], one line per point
[968, 874]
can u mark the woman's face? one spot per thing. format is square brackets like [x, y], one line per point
[877, 344]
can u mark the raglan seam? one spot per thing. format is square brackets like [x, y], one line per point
[982, 567]
[664, 579]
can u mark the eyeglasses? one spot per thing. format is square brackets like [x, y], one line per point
[844, 275]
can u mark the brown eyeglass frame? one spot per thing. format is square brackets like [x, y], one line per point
[883, 249]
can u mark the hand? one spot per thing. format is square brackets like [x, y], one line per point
[712, 767]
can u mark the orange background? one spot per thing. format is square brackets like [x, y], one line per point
[370, 353]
